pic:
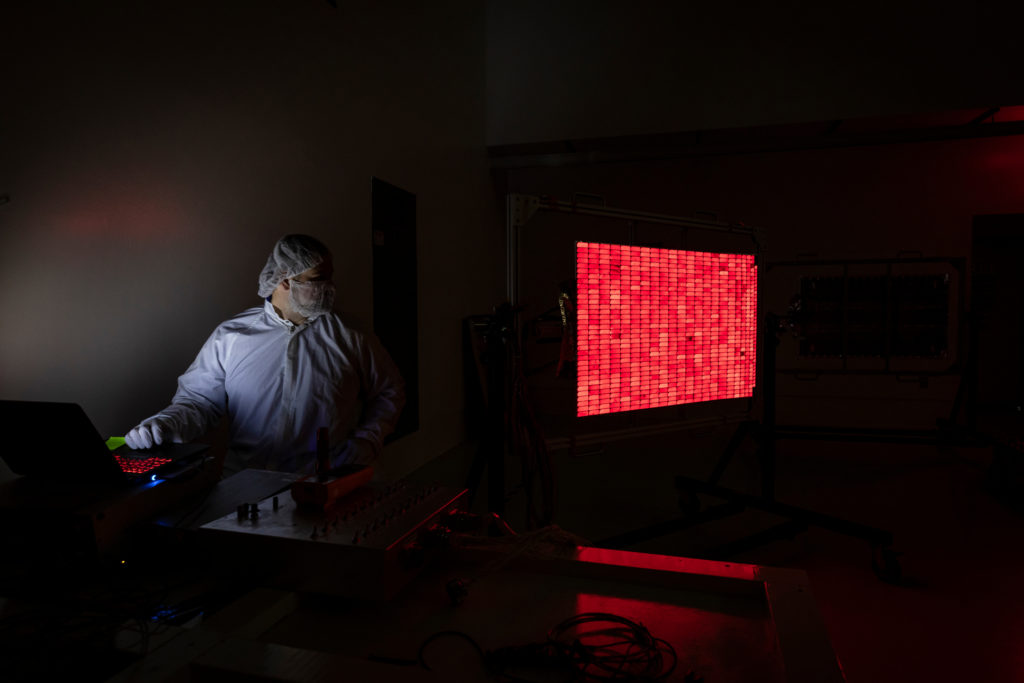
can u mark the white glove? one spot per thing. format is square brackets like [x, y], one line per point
[149, 434]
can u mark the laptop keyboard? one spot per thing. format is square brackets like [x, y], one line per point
[130, 465]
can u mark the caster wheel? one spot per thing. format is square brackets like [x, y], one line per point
[886, 564]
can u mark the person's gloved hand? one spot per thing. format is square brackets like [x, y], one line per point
[357, 452]
[150, 433]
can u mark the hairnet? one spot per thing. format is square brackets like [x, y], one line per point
[293, 254]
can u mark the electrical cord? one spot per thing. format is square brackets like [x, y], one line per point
[592, 647]
[615, 648]
[528, 442]
[103, 613]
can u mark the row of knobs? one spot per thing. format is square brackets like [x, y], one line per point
[377, 522]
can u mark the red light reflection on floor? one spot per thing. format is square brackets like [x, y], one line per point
[667, 563]
[661, 327]
[660, 619]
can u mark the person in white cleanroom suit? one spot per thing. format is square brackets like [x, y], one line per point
[281, 371]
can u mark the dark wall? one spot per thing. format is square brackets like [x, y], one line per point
[580, 68]
[153, 152]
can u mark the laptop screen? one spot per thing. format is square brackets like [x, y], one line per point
[57, 441]
[53, 440]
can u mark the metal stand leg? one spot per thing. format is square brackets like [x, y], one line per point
[884, 560]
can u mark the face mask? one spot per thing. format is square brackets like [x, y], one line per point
[311, 299]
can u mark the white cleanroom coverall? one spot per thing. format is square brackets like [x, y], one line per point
[279, 382]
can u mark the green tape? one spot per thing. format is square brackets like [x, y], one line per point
[115, 442]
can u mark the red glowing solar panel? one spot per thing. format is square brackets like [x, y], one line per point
[662, 327]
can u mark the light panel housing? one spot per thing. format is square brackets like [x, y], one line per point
[661, 327]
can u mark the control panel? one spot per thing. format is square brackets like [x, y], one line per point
[368, 543]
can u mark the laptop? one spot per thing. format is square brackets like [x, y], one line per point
[58, 442]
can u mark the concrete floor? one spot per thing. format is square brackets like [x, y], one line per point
[957, 615]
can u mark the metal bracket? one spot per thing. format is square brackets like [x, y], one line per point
[519, 208]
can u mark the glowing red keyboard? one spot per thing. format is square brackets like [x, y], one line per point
[140, 465]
